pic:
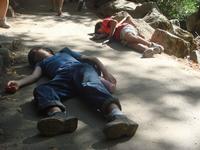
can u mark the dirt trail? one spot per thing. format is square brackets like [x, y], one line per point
[161, 94]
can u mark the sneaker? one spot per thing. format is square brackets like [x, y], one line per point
[158, 49]
[56, 124]
[120, 126]
[148, 53]
[4, 24]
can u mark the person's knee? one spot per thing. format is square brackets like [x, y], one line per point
[129, 37]
[38, 89]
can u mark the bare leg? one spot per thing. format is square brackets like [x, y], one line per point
[138, 47]
[131, 38]
[54, 109]
[111, 107]
[158, 49]
[3, 11]
[53, 5]
[141, 45]
[60, 7]
[3, 8]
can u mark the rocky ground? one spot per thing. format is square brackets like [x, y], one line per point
[161, 93]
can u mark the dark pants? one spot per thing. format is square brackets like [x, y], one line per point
[79, 80]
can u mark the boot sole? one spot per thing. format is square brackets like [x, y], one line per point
[148, 54]
[120, 130]
[54, 126]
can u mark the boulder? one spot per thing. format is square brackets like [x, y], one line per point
[143, 9]
[197, 40]
[173, 45]
[144, 28]
[175, 22]
[193, 22]
[158, 20]
[111, 7]
[120, 15]
[15, 45]
[185, 35]
[94, 4]
[134, 8]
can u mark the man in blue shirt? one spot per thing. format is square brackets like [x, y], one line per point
[71, 75]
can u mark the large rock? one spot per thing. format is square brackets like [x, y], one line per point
[94, 4]
[108, 9]
[175, 22]
[158, 20]
[144, 28]
[185, 35]
[193, 22]
[135, 9]
[172, 44]
[14, 45]
[143, 9]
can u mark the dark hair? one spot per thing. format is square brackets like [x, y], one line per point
[32, 54]
[97, 26]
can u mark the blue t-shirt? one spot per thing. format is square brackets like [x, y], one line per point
[64, 59]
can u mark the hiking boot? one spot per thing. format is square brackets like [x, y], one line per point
[148, 53]
[158, 49]
[56, 124]
[4, 24]
[120, 126]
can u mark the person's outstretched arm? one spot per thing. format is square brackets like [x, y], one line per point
[14, 85]
[106, 75]
[99, 36]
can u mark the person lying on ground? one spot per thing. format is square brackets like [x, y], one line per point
[71, 76]
[126, 32]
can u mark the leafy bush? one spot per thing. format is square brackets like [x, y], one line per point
[178, 9]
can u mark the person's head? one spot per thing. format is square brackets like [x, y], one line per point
[37, 54]
[98, 27]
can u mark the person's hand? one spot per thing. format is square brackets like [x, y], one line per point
[98, 36]
[110, 78]
[12, 87]
[108, 41]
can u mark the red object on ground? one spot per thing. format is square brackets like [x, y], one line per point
[10, 89]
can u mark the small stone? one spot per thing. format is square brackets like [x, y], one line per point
[17, 45]
[195, 56]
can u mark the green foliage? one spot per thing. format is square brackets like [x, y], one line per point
[178, 9]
